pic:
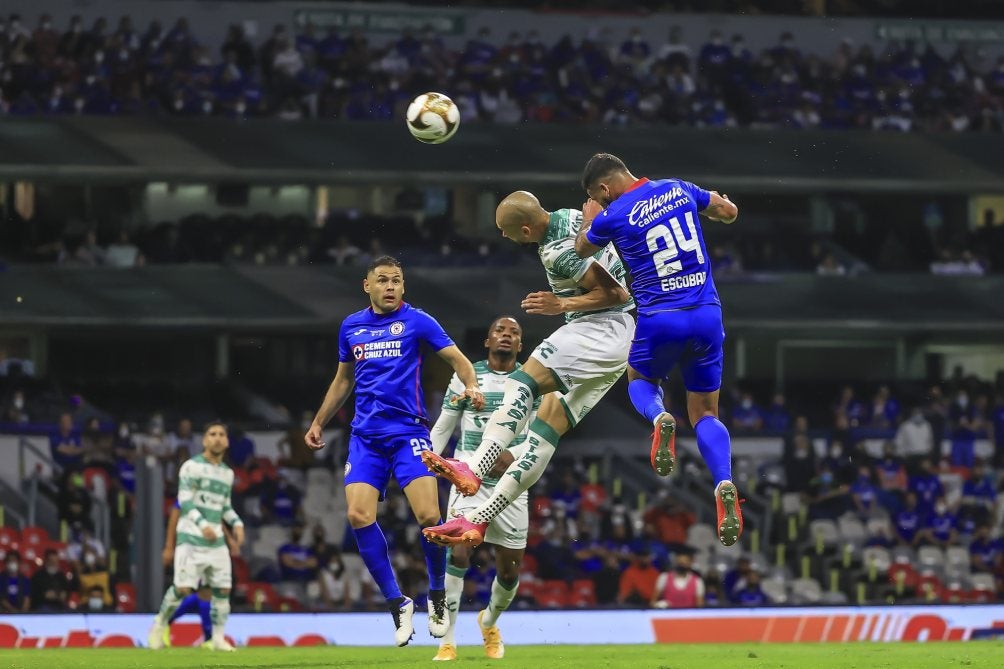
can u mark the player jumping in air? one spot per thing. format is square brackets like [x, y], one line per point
[379, 352]
[508, 531]
[581, 361]
[656, 229]
[204, 485]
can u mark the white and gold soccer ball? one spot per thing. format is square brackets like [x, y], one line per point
[433, 118]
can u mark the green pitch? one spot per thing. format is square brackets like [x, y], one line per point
[971, 655]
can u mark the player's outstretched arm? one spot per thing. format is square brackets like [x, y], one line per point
[721, 208]
[337, 393]
[465, 371]
[443, 429]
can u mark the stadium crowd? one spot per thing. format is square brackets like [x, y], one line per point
[113, 68]
[902, 480]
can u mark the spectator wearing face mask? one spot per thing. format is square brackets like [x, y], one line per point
[941, 526]
[50, 586]
[747, 417]
[827, 496]
[334, 584]
[680, 587]
[908, 522]
[16, 411]
[926, 485]
[93, 575]
[15, 588]
[97, 600]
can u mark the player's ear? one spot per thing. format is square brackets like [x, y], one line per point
[366, 285]
[486, 342]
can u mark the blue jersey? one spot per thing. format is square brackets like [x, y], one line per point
[655, 228]
[387, 351]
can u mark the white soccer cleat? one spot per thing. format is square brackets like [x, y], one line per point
[405, 627]
[155, 639]
[439, 618]
[220, 643]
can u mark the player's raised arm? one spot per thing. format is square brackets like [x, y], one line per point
[584, 247]
[465, 372]
[721, 208]
[338, 392]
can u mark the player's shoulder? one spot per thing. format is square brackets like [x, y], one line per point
[355, 317]
[481, 367]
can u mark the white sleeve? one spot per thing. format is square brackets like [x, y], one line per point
[443, 429]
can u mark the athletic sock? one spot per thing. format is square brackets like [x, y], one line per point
[502, 596]
[506, 422]
[454, 591]
[375, 554]
[647, 398]
[716, 447]
[168, 605]
[220, 613]
[190, 604]
[435, 562]
[542, 441]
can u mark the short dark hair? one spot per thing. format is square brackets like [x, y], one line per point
[505, 317]
[599, 166]
[383, 261]
[215, 423]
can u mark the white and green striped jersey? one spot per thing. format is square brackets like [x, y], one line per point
[473, 422]
[565, 268]
[204, 499]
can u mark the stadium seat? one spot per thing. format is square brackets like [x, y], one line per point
[701, 535]
[125, 598]
[262, 597]
[900, 572]
[879, 524]
[878, 557]
[529, 564]
[852, 530]
[930, 558]
[775, 590]
[242, 573]
[903, 555]
[275, 535]
[929, 586]
[583, 593]
[552, 594]
[791, 503]
[825, 530]
[320, 478]
[285, 604]
[983, 582]
[34, 536]
[9, 538]
[806, 591]
[833, 598]
[955, 591]
[957, 559]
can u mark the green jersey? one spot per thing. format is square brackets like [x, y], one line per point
[473, 422]
[204, 500]
[565, 268]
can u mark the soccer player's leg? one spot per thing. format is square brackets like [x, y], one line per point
[522, 388]
[422, 491]
[701, 367]
[458, 561]
[508, 533]
[653, 355]
[186, 579]
[219, 576]
[367, 473]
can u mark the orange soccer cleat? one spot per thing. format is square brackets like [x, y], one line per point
[457, 530]
[454, 471]
[664, 445]
[730, 513]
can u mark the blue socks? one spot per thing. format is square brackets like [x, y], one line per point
[646, 398]
[715, 446]
[375, 554]
[192, 604]
[435, 562]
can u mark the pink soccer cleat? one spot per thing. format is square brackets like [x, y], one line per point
[457, 530]
[454, 471]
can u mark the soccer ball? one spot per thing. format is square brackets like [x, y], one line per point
[433, 118]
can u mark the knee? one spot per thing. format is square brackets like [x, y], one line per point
[428, 517]
[360, 517]
[508, 571]
[460, 557]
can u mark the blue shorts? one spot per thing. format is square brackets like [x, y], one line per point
[372, 460]
[691, 338]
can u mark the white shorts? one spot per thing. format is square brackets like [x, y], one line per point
[587, 356]
[508, 529]
[195, 563]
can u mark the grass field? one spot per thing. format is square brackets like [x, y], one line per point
[972, 655]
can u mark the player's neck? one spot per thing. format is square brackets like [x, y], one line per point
[501, 363]
[212, 459]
